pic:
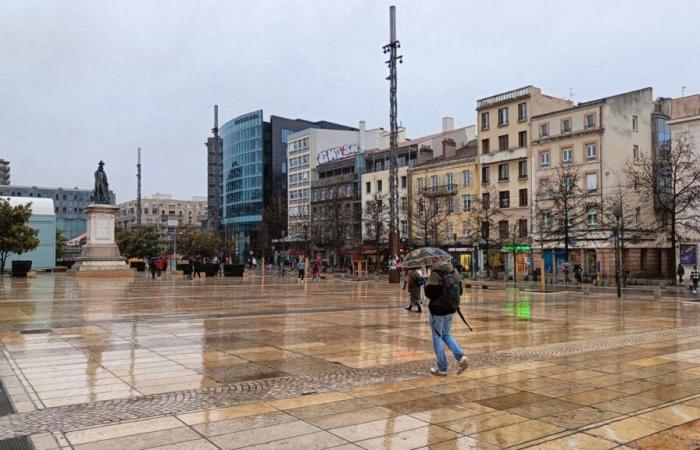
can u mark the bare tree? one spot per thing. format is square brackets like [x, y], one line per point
[428, 214]
[333, 223]
[671, 178]
[375, 219]
[562, 207]
[514, 240]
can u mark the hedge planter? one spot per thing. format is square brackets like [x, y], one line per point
[20, 269]
[210, 270]
[140, 266]
[186, 269]
[233, 270]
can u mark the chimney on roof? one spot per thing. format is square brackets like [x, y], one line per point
[448, 124]
[449, 148]
[363, 135]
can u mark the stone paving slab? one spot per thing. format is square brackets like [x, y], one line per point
[78, 416]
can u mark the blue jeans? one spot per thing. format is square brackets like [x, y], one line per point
[440, 327]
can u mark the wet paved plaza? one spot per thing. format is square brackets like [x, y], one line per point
[266, 363]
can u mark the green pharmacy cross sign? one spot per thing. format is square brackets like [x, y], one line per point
[515, 248]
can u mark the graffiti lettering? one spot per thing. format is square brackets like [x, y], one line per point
[335, 153]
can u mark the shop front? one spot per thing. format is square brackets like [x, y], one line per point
[463, 256]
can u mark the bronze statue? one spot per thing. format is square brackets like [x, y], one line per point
[101, 193]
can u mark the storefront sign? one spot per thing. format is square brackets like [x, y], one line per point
[460, 249]
[335, 153]
[689, 254]
[516, 248]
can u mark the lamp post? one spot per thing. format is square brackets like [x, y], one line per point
[617, 212]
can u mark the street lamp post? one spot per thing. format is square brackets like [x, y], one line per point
[617, 212]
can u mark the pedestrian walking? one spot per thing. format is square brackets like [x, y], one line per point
[444, 290]
[316, 272]
[301, 268]
[196, 267]
[152, 266]
[577, 273]
[414, 281]
[695, 277]
[680, 272]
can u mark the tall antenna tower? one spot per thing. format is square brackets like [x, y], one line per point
[392, 49]
[214, 162]
[138, 189]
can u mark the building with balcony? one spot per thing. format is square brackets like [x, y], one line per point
[504, 150]
[594, 141]
[442, 192]
[69, 205]
[375, 178]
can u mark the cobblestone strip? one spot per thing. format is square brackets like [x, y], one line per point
[70, 417]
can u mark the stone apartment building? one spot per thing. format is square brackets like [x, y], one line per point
[596, 139]
[159, 209]
[504, 152]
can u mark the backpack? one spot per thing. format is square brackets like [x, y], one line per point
[452, 289]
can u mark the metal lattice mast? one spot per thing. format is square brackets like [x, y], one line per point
[392, 49]
[214, 221]
[138, 189]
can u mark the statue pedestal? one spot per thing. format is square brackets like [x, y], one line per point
[100, 256]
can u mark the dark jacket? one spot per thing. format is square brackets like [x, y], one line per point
[434, 290]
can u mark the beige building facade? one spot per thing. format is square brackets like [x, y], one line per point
[158, 209]
[504, 152]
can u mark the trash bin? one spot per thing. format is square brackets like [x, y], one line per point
[21, 268]
[394, 276]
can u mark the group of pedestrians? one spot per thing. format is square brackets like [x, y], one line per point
[315, 271]
[156, 265]
[694, 276]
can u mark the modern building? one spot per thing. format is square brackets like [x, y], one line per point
[163, 211]
[442, 192]
[43, 220]
[504, 151]
[685, 120]
[313, 146]
[253, 194]
[4, 172]
[68, 204]
[597, 139]
[375, 179]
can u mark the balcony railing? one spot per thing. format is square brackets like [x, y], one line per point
[437, 191]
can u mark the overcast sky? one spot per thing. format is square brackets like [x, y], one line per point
[82, 81]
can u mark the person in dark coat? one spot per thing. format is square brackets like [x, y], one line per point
[153, 266]
[440, 320]
[680, 272]
[413, 283]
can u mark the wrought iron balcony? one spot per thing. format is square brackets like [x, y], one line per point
[438, 191]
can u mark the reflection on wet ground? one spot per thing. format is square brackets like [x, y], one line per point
[69, 341]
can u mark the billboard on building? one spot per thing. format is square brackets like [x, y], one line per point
[336, 153]
[689, 254]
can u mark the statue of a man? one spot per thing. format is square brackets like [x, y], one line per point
[101, 193]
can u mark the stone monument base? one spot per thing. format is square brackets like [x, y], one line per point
[100, 256]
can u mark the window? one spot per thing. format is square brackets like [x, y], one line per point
[566, 126]
[485, 228]
[566, 155]
[504, 199]
[403, 182]
[503, 229]
[589, 121]
[450, 205]
[421, 183]
[638, 215]
[368, 187]
[485, 175]
[503, 142]
[467, 178]
[522, 169]
[348, 190]
[404, 228]
[522, 228]
[591, 152]
[379, 185]
[404, 203]
[544, 130]
[466, 203]
[485, 200]
[568, 184]
[522, 112]
[544, 221]
[635, 152]
[522, 194]
[465, 229]
[544, 186]
[503, 172]
[485, 120]
[449, 179]
[522, 139]
[544, 159]
[285, 134]
[592, 182]
[485, 146]
[434, 181]
[635, 123]
[592, 218]
[503, 116]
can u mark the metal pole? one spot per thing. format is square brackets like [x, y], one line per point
[174, 264]
[138, 189]
[617, 258]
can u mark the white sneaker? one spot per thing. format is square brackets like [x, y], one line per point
[436, 371]
[463, 364]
